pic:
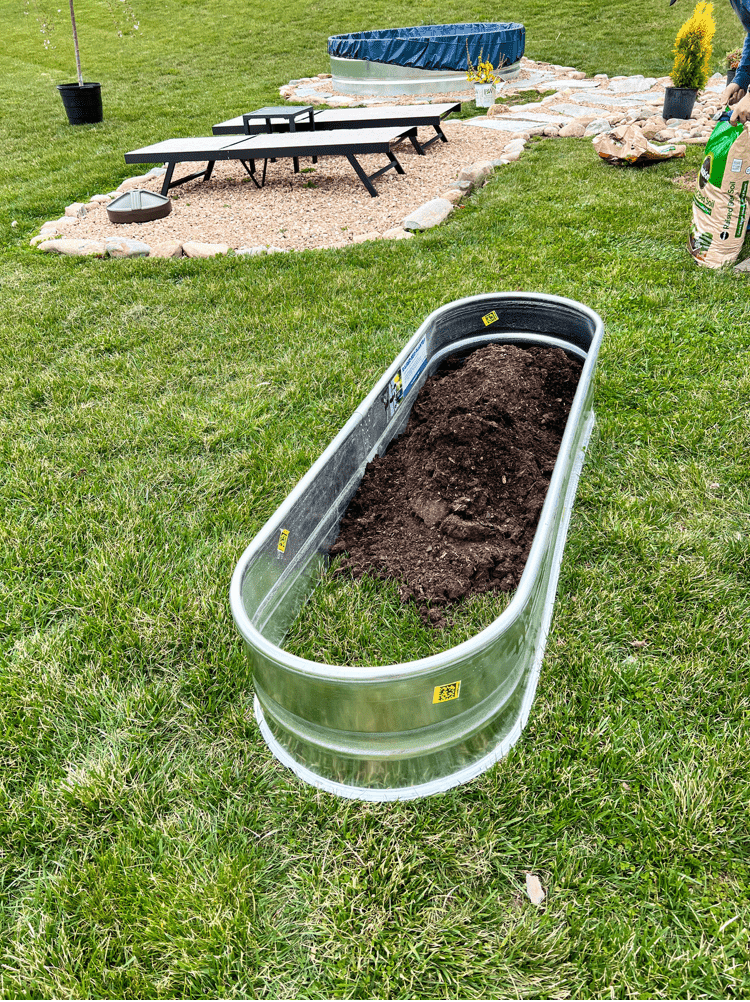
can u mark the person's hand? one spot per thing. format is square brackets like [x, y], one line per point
[731, 95]
[741, 112]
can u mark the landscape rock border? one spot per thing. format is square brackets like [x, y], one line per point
[579, 107]
[57, 237]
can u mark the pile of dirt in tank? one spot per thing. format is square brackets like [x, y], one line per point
[452, 507]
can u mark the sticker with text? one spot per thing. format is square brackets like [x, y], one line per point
[282, 540]
[489, 319]
[414, 364]
[444, 693]
[395, 394]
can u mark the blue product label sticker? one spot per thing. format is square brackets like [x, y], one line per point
[414, 365]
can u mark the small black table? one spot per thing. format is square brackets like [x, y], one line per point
[289, 113]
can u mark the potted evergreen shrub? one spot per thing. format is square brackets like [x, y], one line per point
[691, 69]
[82, 100]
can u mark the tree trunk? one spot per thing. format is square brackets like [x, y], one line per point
[75, 44]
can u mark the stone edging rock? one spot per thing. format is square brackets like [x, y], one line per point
[52, 236]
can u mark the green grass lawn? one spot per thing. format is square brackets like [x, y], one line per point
[155, 413]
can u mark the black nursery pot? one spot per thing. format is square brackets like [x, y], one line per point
[83, 105]
[678, 102]
[730, 76]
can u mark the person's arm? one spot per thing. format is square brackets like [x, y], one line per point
[742, 76]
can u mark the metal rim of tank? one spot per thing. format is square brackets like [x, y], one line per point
[546, 549]
[361, 76]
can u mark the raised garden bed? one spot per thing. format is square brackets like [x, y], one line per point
[407, 730]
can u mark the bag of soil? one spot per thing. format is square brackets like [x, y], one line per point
[628, 145]
[719, 221]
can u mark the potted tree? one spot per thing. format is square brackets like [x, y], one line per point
[733, 64]
[691, 69]
[82, 100]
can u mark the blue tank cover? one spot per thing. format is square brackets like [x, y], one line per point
[435, 46]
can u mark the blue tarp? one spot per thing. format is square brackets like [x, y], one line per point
[435, 46]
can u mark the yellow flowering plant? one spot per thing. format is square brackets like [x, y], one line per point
[483, 72]
[692, 49]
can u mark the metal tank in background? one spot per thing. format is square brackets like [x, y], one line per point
[403, 731]
[427, 59]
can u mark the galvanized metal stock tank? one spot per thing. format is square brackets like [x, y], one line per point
[393, 732]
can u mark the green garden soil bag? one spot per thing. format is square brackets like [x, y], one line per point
[721, 195]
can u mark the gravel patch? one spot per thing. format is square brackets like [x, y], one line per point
[325, 205]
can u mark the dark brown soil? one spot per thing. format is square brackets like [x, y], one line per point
[451, 508]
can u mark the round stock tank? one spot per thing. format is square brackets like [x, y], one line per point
[387, 732]
[430, 58]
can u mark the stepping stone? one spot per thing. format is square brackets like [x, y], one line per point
[537, 116]
[614, 100]
[565, 82]
[632, 85]
[529, 106]
[531, 81]
[576, 110]
[506, 124]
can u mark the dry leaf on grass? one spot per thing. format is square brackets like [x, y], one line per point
[534, 889]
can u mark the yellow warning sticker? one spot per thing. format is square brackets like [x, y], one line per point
[489, 319]
[444, 693]
[282, 540]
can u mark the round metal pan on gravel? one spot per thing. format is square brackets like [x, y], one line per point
[138, 206]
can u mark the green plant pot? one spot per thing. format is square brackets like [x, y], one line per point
[83, 105]
[678, 102]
